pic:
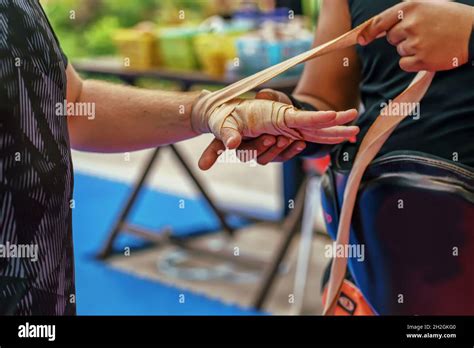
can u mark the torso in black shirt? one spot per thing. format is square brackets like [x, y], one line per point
[445, 127]
[35, 165]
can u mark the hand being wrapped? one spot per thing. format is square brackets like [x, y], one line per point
[241, 119]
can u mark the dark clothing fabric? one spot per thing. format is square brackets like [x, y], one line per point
[471, 49]
[445, 127]
[35, 166]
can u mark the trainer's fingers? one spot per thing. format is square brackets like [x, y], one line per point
[249, 150]
[281, 145]
[211, 154]
[412, 64]
[396, 35]
[381, 24]
[293, 150]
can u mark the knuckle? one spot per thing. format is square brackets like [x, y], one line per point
[409, 5]
[377, 23]
[419, 60]
[415, 45]
[391, 38]
[409, 26]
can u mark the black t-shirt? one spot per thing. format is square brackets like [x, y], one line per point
[36, 175]
[444, 126]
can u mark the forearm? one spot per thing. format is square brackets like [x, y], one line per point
[313, 102]
[128, 119]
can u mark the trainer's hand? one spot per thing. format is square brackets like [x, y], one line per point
[429, 35]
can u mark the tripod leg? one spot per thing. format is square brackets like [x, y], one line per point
[290, 228]
[108, 246]
[304, 253]
[220, 215]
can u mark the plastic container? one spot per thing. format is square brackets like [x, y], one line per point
[278, 15]
[250, 17]
[215, 50]
[176, 48]
[138, 47]
[256, 54]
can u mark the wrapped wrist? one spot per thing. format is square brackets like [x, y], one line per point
[199, 117]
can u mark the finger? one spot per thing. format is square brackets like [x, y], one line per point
[342, 118]
[412, 64]
[281, 145]
[396, 35]
[293, 150]
[270, 94]
[229, 133]
[405, 50]
[308, 119]
[211, 154]
[328, 140]
[381, 24]
[231, 138]
[335, 132]
[255, 147]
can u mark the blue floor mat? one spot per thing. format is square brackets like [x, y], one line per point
[102, 290]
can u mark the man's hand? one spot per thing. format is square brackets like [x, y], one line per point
[429, 35]
[249, 118]
[273, 148]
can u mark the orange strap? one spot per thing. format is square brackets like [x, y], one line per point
[350, 302]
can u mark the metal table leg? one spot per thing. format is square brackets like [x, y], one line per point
[220, 215]
[290, 228]
[108, 246]
[306, 242]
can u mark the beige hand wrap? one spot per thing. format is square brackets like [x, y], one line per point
[378, 133]
[250, 117]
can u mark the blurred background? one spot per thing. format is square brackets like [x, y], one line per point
[154, 234]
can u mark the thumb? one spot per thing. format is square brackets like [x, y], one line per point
[230, 134]
[270, 94]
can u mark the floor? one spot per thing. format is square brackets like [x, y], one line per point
[258, 241]
[237, 185]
